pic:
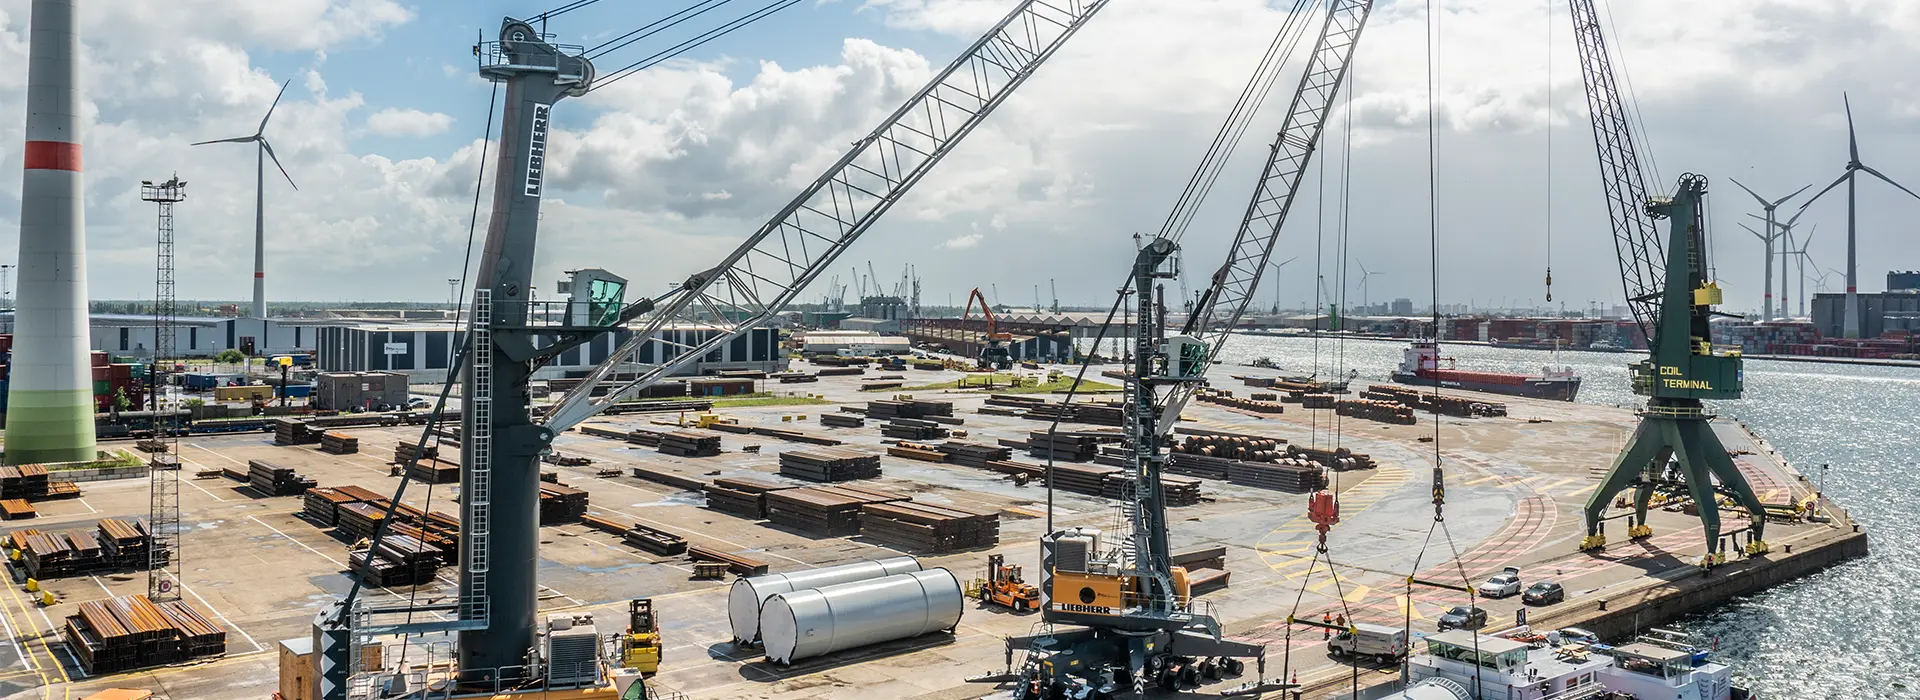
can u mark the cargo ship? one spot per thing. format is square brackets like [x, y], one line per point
[1421, 365]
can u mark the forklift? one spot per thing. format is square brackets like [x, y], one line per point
[1004, 586]
[641, 647]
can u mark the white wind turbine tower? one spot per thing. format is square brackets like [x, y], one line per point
[1366, 301]
[263, 151]
[1800, 257]
[1850, 324]
[1276, 281]
[1766, 309]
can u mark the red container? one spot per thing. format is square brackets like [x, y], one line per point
[99, 359]
[6, 342]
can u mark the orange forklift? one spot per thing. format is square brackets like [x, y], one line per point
[1004, 587]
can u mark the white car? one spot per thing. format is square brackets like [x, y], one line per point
[1503, 584]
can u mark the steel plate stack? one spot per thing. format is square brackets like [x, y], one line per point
[908, 408]
[924, 527]
[1071, 447]
[1081, 478]
[828, 464]
[842, 420]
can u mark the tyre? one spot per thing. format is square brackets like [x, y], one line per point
[1234, 667]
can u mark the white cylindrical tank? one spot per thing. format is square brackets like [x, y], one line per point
[824, 620]
[748, 594]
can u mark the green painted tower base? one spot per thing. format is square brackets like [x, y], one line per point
[49, 426]
[1670, 429]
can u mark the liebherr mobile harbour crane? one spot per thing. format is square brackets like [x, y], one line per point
[502, 648]
[1134, 623]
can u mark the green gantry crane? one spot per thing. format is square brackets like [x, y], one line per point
[1672, 299]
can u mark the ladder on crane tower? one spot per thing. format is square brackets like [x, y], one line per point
[479, 459]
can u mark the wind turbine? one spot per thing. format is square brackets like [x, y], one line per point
[263, 152]
[1366, 301]
[1801, 256]
[1276, 281]
[1766, 311]
[1850, 325]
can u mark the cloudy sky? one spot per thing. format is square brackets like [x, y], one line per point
[662, 173]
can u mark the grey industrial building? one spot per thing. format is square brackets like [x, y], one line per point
[424, 350]
[201, 336]
[1879, 313]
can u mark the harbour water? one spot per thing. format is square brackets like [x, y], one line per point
[1849, 632]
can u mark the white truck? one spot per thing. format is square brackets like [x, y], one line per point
[1364, 640]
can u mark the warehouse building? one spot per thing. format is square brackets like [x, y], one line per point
[424, 351]
[198, 336]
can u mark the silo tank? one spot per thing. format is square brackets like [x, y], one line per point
[748, 594]
[821, 621]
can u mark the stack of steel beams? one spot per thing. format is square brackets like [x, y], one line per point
[1082, 478]
[974, 454]
[905, 407]
[841, 420]
[25, 481]
[686, 443]
[1179, 491]
[17, 509]
[1375, 410]
[340, 443]
[744, 496]
[321, 505]
[561, 504]
[1069, 446]
[919, 451]
[923, 527]
[293, 431]
[275, 480]
[1292, 475]
[398, 560]
[913, 429]
[824, 510]
[828, 464]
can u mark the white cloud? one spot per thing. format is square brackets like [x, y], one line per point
[408, 122]
[963, 242]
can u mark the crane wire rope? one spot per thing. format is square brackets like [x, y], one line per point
[1639, 134]
[1227, 140]
[1549, 178]
[561, 10]
[655, 27]
[1346, 216]
[1433, 278]
[697, 41]
[1086, 360]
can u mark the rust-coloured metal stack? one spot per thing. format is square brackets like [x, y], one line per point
[745, 497]
[824, 510]
[829, 465]
[130, 632]
[925, 527]
[339, 443]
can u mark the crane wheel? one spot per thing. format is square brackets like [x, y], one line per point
[1234, 667]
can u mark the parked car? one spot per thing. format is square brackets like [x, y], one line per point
[417, 403]
[1378, 642]
[1503, 584]
[1544, 593]
[1464, 617]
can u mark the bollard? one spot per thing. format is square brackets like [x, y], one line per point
[1603, 605]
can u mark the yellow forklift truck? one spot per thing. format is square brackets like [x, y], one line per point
[641, 650]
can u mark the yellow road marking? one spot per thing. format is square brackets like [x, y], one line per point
[1358, 593]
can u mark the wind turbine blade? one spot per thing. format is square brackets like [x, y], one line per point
[1796, 193]
[1756, 234]
[1903, 188]
[1829, 188]
[1756, 195]
[241, 139]
[1790, 222]
[276, 103]
[276, 162]
[1853, 144]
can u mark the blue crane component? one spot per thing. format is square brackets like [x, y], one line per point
[1674, 448]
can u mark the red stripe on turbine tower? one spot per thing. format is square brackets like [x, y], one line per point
[53, 155]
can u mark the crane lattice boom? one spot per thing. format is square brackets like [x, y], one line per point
[1635, 238]
[780, 259]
